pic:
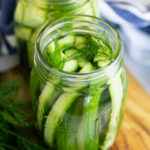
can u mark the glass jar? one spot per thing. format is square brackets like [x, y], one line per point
[76, 111]
[30, 15]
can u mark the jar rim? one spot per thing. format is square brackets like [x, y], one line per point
[98, 73]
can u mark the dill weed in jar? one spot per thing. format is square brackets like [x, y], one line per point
[80, 85]
[30, 15]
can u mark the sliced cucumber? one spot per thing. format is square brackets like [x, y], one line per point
[80, 42]
[100, 58]
[95, 9]
[29, 15]
[19, 12]
[67, 138]
[50, 48]
[116, 93]
[70, 66]
[40, 3]
[55, 114]
[86, 9]
[102, 64]
[23, 32]
[71, 52]
[31, 45]
[87, 68]
[44, 100]
[67, 41]
[82, 62]
[88, 137]
[64, 42]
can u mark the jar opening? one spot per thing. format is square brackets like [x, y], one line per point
[84, 25]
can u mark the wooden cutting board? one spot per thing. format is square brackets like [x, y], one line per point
[135, 130]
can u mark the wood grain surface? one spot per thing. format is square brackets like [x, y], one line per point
[135, 130]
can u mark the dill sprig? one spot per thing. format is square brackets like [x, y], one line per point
[93, 46]
[15, 119]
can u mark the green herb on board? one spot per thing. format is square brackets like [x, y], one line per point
[15, 120]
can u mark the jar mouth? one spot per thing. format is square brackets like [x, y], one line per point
[97, 23]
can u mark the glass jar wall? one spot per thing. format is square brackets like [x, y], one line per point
[82, 108]
[30, 15]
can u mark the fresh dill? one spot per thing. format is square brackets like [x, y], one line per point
[15, 120]
[92, 46]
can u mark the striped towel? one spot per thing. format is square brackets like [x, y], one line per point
[132, 20]
[8, 56]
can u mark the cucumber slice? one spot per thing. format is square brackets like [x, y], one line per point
[70, 66]
[66, 137]
[29, 15]
[44, 100]
[64, 42]
[86, 9]
[31, 45]
[50, 48]
[71, 52]
[88, 137]
[82, 62]
[56, 113]
[95, 9]
[67, 41]
[19, 12]
[102, 64]
[87, 68]
[80, 42]
[116, 93]
[100, 58]
[23, 32]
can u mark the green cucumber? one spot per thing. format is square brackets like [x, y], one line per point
[88, 137]
[19, 12]
[82, 62]
[31, 45]
[71, 52]
[70, 66]
[116, 93]
[50, 48]
[102, 64]
[67, 41]
[86, 9]
[100, 58]
[63, 43]
[29, 15]
[44, 100]
[80, 42]
[23, 32]
[67, 137]
[87, 68]
[95, 9]
[55, 114]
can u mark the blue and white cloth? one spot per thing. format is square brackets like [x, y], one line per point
[132, 20]
[8, 56]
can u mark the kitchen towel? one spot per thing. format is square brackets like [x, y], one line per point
[8, 55]
[132, 20]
